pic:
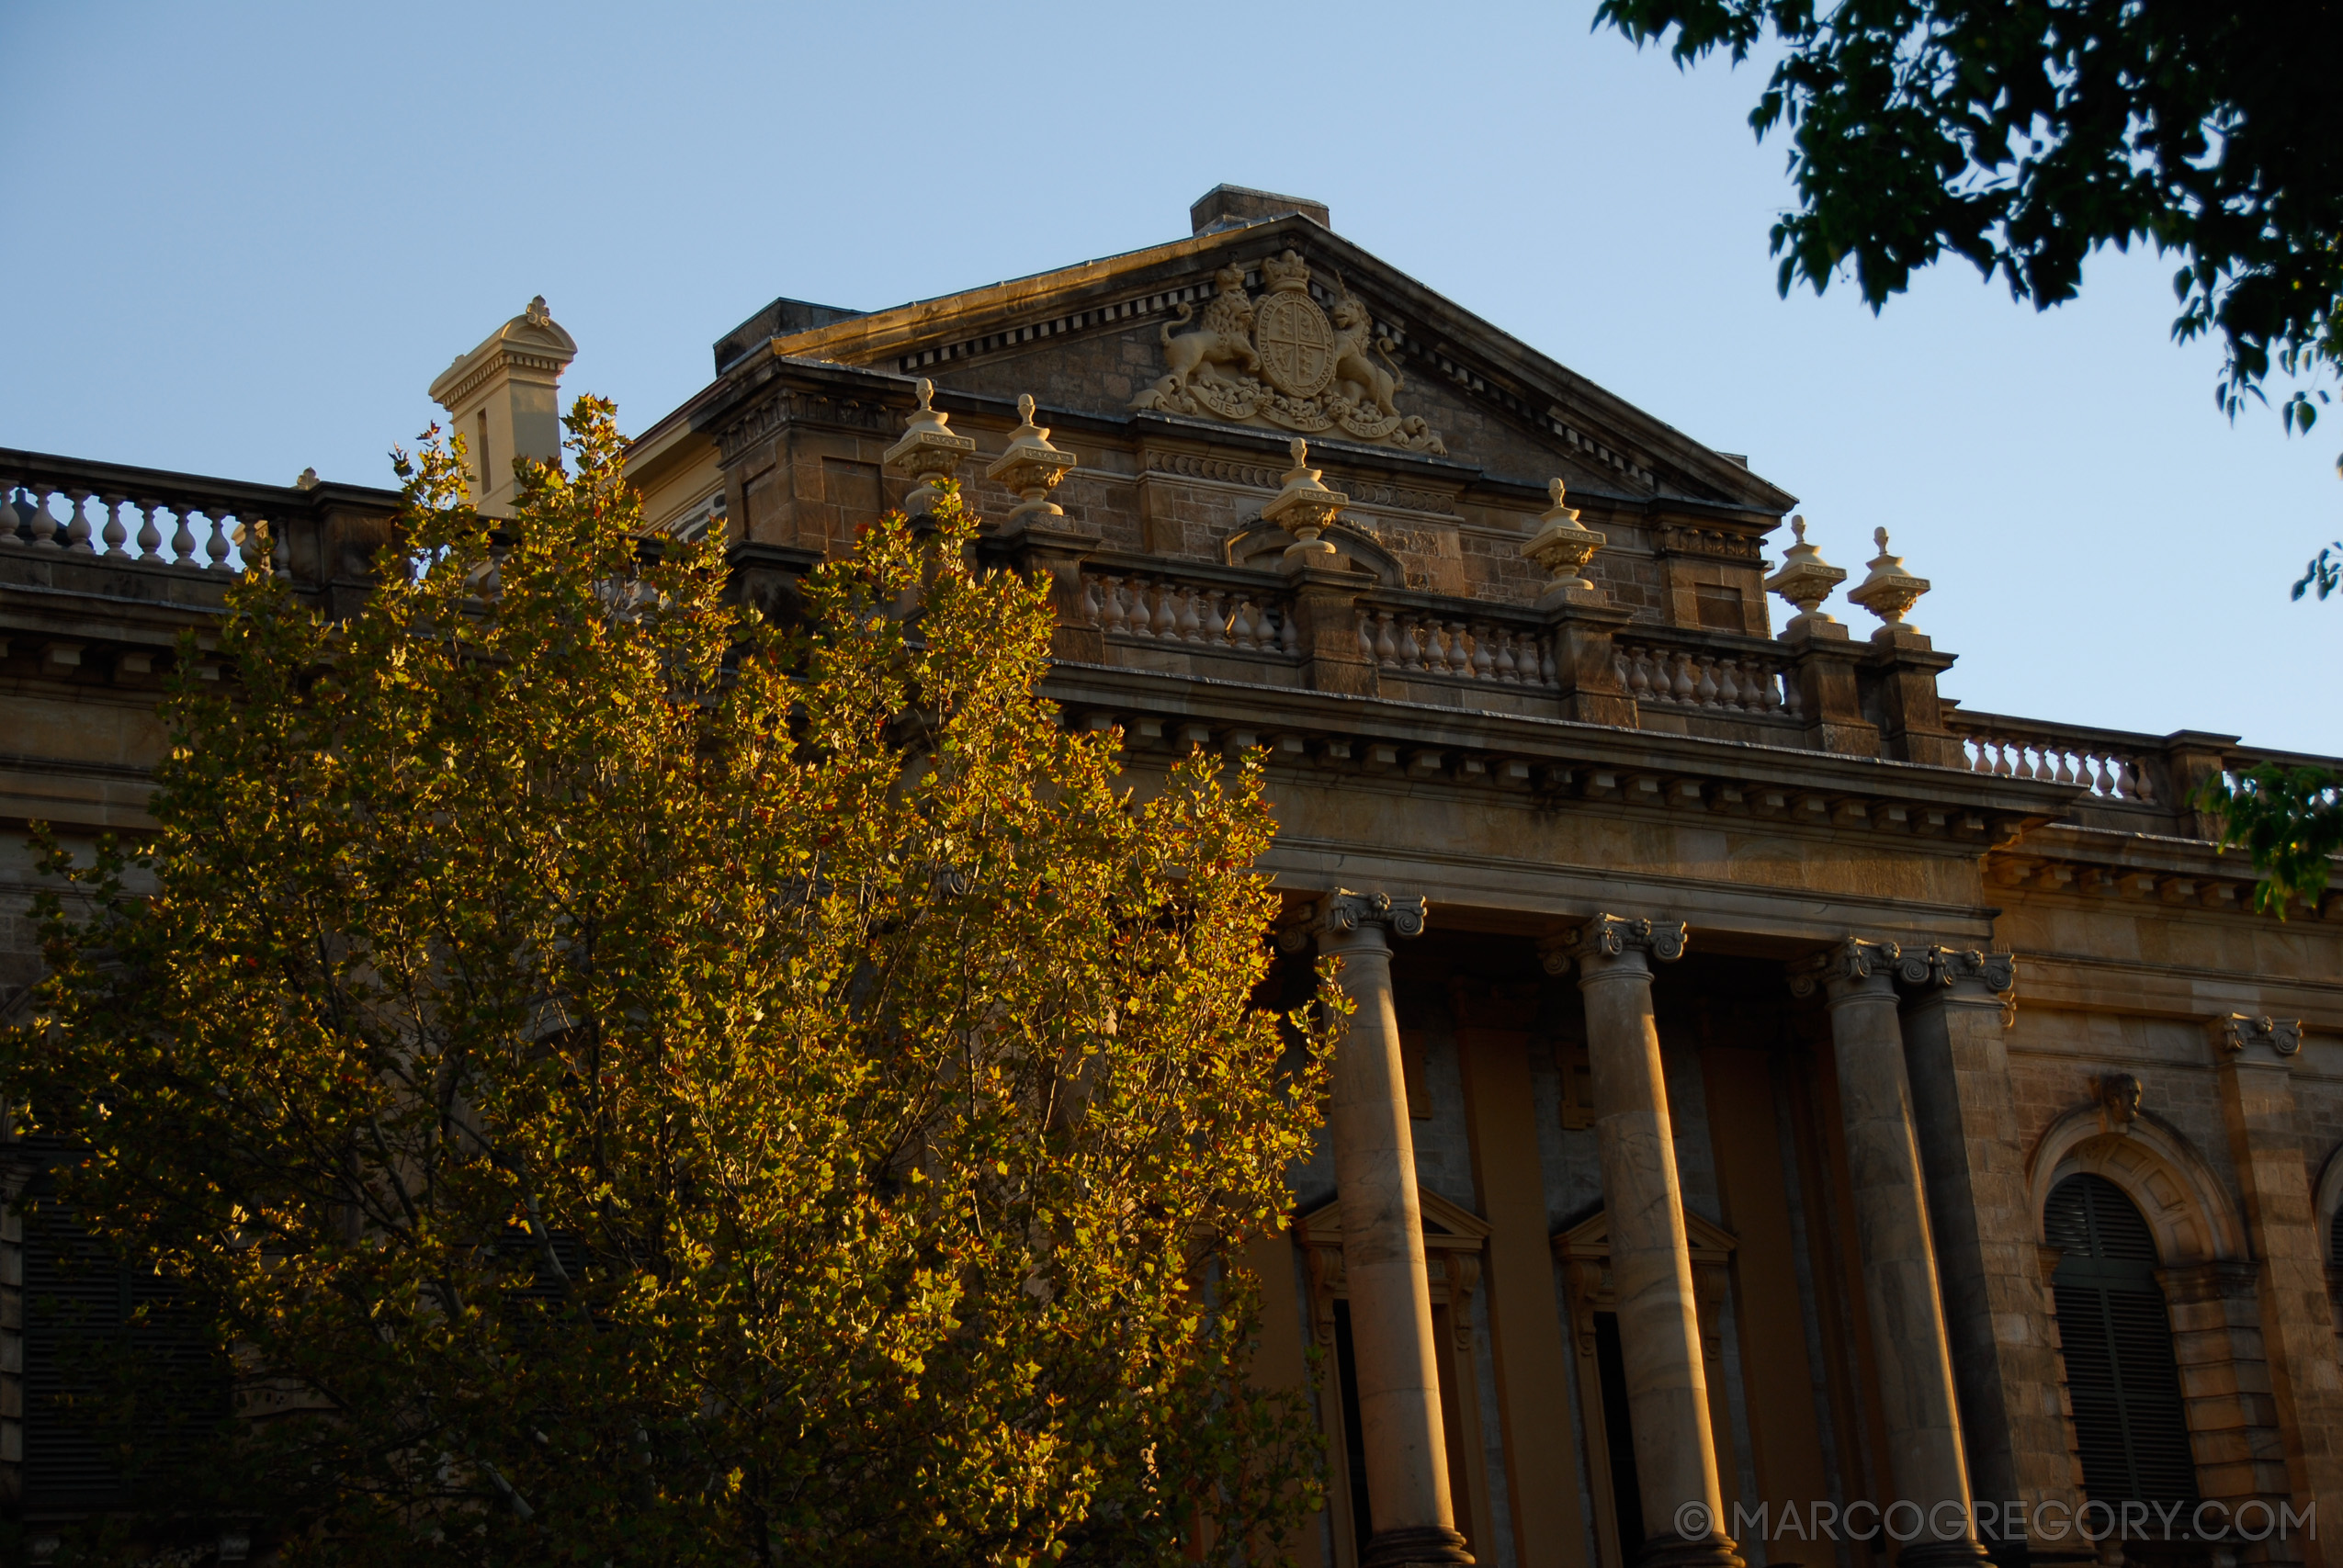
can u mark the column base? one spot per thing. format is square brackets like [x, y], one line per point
[1943, 1555]
[1435, 1545]
[1672, 1550]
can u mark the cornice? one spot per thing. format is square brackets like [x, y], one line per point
[1631, 769]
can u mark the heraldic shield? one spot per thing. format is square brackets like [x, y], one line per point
[1278, 359]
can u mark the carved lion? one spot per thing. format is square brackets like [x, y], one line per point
[1224, 337]
[1355, 348]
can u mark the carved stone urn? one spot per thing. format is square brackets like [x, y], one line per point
[929, 451]
[1805, 581]
[1563, 547]
[1889, 591]
[1031, 466]
[1304, 509]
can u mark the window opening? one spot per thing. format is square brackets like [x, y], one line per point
[2129, 1421]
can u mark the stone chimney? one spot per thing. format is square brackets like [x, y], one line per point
[504, 399]
[1232, 207]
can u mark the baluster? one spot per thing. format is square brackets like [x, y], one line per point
[1111, 616]
[1769, 688]
[217, 546]
[9, 520]
[1216, 622]
[1094, 613]
[1367, 634]
[112, 535]
[1190, 624]
[1728, 684]
[1685, 686]
[1460, 651]
[1546, 675]
[2065, 766]
[280, 550]
[1142, 613]
[77, 527]
[1509, 669]
[1705, 693]
[1435, 648]
[1639, 677]
[2000, 758]
[2135, 781]
[1289, 636]
[183, 539]
[150, 534]
[1484, 665]
[44, 525]
[1793, 705]
[1387, 649]
[1242, 632]
[1411, 651]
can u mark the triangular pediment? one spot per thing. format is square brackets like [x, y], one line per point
[1245, 335]
[1591, 1238]
[1445, 1223]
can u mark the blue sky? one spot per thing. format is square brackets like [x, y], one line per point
[242, 240]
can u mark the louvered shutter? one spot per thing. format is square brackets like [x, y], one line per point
[83, 1312]
[2130, 1420]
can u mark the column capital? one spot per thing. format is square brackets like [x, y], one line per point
[1344, 915]
[2239, 1039]
[1965, 973]
[1611, 936]
[1852, 966]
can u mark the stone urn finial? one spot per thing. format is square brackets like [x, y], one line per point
[929, 451]
[1304, 509]
[1889, 591]
[1031, 466]
[1805, 581]
[1563, 547]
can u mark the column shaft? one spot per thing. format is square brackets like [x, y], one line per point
[1651, 1263]
[1998, 1310]
[1383, 1260]
[1925, 1460]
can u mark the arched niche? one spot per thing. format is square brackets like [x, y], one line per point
[2154, 1163]
[1261, 545]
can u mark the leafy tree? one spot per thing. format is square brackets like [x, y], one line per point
[622, 1083]
[2023, 135]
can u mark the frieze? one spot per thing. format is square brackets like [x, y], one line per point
[1680, 540]
[770, 414]
[1280, 358]
[1253, 476]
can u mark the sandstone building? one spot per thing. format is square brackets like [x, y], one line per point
[1775, 1087]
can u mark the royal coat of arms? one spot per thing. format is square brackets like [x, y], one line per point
[1278, 359]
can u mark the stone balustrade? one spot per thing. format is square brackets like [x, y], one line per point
[197, 533]
[70, 509]
[1461, 646]
[1155, 607]
[1721, 682]
[2111, 772]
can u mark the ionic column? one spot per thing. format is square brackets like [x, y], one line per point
[1914, 1363]
[1997, 1309]
[1651, 1265]
[1390, 1291]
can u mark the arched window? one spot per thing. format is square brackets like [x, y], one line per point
[2129, 1419]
